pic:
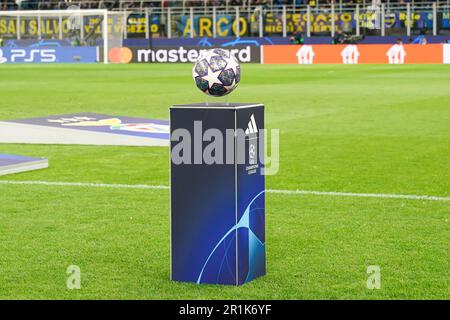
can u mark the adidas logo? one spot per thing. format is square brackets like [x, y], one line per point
[252, 128]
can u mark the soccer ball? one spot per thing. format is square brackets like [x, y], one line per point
[216, 72]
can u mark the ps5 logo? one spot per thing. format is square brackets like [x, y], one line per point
[2, 58]
[33, 55]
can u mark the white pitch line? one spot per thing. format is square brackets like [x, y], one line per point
[84, 184]
[276, 191]
[362, 195]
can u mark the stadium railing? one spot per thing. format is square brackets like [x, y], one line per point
[218, 18]
[142, 4]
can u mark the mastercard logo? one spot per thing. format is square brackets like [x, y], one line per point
[120, 55]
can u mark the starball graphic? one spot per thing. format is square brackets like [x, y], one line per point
[216, 72]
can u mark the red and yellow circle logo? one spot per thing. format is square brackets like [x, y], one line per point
[120, 55]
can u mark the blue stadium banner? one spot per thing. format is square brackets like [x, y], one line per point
[49, 54]
[217, 207]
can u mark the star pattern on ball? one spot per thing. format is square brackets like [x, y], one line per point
[213, 77]
[216, 72]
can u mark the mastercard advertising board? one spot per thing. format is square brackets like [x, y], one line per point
[353, 54]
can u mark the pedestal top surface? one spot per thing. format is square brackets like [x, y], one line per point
[216, 105]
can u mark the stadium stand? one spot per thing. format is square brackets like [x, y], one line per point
[311, 21]
[142, 4]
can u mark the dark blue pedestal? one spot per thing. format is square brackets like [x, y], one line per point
[217, 210]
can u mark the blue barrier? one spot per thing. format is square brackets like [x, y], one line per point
[49, 55]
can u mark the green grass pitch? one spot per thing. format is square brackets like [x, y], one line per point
[362, 129]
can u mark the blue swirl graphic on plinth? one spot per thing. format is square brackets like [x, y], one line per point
[256, 246]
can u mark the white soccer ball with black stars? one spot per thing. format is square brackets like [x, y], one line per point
[216, 72]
